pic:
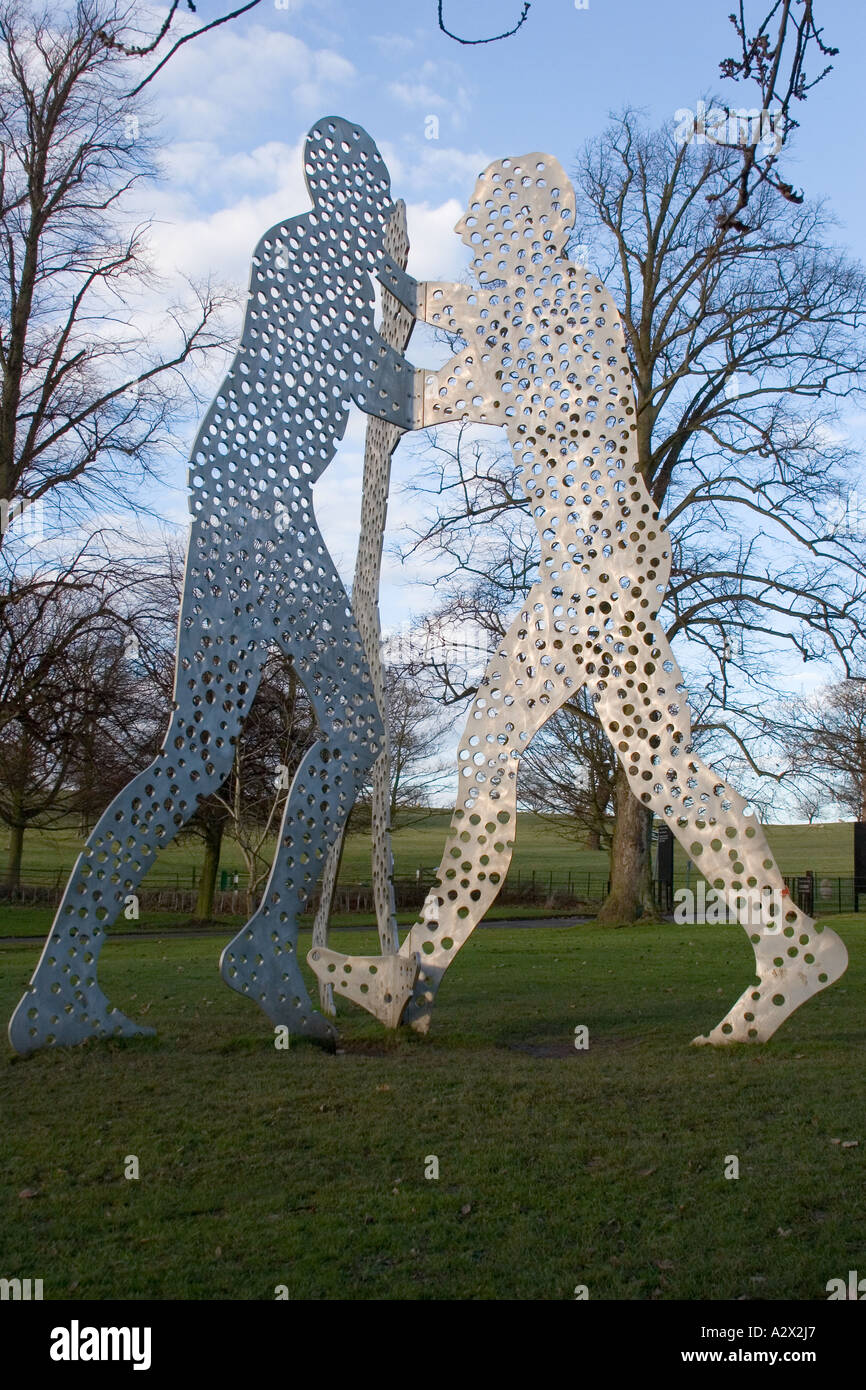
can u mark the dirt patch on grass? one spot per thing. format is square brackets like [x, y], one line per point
[363, 1047]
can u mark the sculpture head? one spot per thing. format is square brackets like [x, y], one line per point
[349, 184]
[521, 211]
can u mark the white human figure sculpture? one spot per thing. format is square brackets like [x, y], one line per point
[545, 356]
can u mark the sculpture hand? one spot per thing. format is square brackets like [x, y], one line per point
[402, 286]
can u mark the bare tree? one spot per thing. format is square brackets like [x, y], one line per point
[826, 743]
[568, 774]
[153, 643]
[809, 805]
[744, 344]
[74, 711]
[415, 729]
[281, 727]
[88, 400]
[772, 58]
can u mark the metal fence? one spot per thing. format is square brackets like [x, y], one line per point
[175, 891]
[816, 894]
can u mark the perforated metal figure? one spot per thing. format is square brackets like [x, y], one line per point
[258, 573]
[545, 356]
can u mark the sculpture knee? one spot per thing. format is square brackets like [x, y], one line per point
[172, 780]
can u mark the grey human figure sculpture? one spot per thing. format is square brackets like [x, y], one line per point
[545, 355]
[258, 573]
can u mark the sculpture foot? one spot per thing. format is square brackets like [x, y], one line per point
[39, 1023]
[783, 988]
[420, 1023]
[419, 1012]
[273, 982]
[382, 985]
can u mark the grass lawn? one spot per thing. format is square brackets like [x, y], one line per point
[557, 1167]
[25, 920]
[828, 849]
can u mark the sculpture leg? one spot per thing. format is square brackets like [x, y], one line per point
[261, 962]
[64, 1003]
[516, 696]
[794, 958]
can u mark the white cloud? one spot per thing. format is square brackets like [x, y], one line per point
[419, 165]
[392, 44]
[419, 95]
[220, 242]
[220, 85]
[436, 252]
[434, 87]
[188, 241]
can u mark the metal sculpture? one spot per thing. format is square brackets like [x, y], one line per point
[258, 573]
[545, 356]
[382, 438]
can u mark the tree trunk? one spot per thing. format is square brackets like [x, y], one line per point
[210, 868]
[630, 894]
[12, 886]
[593, 839]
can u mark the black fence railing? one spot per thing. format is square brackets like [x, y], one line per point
[176, 891]
[814, 893]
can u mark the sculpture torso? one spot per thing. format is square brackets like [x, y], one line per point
[546, 357]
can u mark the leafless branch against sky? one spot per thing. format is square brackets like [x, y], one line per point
[777, 68]
[494, 38]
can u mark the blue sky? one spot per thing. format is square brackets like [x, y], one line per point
[233, 109]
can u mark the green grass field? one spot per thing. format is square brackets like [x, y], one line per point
[557, 1167]
[828, 849]
[22, 919]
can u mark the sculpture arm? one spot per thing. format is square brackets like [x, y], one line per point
[459, 390]
[389, 391]
[446, 305]
[403, 287]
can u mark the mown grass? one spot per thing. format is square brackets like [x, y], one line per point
[557, 1167]
[23, 919]
[828, 849]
